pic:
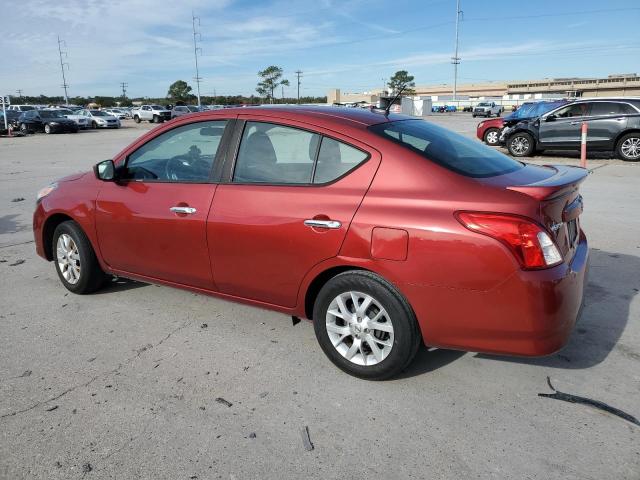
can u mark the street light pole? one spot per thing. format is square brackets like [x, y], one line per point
[62, 64]
[196, 49]
[456, 59]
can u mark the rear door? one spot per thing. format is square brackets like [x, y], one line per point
[606, 121]
[289, 198]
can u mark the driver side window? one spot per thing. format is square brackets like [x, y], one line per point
[184, 154]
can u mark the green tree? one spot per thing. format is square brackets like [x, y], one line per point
[270, 79]
[402, 79]
[179, 91]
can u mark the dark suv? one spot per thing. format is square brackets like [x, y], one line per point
[47, 121]
[613, 125]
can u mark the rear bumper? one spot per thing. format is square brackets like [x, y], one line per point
[532, 313]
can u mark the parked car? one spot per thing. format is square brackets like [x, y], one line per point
[152, 113]
[12, 118]
[381, 229]
[21, 108]
[114, 112]
[99, 119]
[613, 125]
[47, 121]
[486, 109]
[81, 121]
[493, 131]
[183, 110]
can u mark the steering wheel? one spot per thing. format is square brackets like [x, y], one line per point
[178, 167]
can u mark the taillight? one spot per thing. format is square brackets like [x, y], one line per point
[528, 242]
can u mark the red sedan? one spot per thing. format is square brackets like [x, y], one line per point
[385, 231]
[489, 131]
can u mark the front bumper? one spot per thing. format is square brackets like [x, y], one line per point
[532, 313]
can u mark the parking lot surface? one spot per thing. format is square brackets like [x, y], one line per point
[143, 381]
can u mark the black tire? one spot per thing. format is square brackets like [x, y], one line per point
[47, 128]
[634, 138]
[94, 125]
[521, 144]
[473, 115]
[136, 119]
[24, 128]
[407, 338]
[498, 114]
[154, 119]
[492, 140]
[91, 276]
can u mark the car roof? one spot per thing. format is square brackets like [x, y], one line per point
[355, 117]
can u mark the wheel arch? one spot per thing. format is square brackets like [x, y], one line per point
[320, 281]
[622, 134]
[48, 228]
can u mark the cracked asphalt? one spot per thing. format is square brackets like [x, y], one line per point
[149, 382]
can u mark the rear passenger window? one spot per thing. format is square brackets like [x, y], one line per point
[275, 154]
[610, 108]
[335, 159]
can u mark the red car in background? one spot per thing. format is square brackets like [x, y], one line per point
[386, 231]
[489, 130]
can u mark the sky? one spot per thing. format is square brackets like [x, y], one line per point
[353, 45]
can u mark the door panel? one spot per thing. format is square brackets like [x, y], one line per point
[259, 244]
[138, 233]
[565, 129]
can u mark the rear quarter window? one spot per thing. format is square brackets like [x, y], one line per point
[448, 149]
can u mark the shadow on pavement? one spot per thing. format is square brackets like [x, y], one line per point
[120, 285]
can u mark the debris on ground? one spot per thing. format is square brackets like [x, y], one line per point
[26, 373]
[204, 325]
[295, 320]
[51, 409]
[306, 439]
[86, 468]
[16, 263]
[567, 397]
[18, 199]
[252, 435]
[264, 394]
[223, 401]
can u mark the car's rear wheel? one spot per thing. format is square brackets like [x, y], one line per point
[75, 260]
[24, 128]
[521, 144]
[47, 128]
[154, 119]
[94, 124]
[136, 119]
[365, 326]
[492, 136]
[628, 147]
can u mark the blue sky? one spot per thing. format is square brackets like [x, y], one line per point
[347, 44]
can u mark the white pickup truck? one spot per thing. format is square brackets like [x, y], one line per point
[152, 113]
[486, 109]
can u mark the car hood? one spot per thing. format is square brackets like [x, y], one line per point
[72, 177]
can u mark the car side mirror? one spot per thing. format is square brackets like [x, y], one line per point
[550, 118]
[105, 171]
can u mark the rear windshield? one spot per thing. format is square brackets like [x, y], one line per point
[457, 153]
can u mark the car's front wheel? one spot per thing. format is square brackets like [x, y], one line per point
[75, 260]
[47, 128]
[628, 147]
[136, 119]
[492, 136]
[365, 326]
[521, 144]
[24, 128]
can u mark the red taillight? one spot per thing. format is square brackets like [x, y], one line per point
[528, 242]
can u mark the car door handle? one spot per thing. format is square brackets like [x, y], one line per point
[323, 223]
[185, 210]
[574, 123]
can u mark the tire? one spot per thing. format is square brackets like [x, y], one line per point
[403, 339]
[521, 144]
[24, 128]
[628, 147]
[473, 115]
[87, 276]
[47, 128]
[498, 114]
[94, 125]
[492, 136]
[136, 119]
[154, 119]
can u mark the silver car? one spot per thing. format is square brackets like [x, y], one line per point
[100, 119]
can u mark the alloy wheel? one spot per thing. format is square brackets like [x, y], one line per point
[68, 258]
[492, 137]
[359, 328]
[631, 148]
[519, 145]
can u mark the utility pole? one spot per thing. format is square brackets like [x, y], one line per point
[456, 59]
[62, 64]
[298, 75]
[197, 37]
[124, 86]
[19, 92]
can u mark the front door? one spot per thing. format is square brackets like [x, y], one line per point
[286, 207]
[153, 221]
[561, 128]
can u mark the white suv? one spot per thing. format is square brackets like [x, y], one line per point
[486, 109]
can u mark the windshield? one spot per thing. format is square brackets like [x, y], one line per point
[157, 107]
[193, 109]
[484, 104]
[51, 114]
[98, 113]
[64, 111]
[452, 151]
[24, 108]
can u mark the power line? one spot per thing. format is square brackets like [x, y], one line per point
[197, 37]
[298, 75]
[124, 86]
[19, 92]
[62, 65]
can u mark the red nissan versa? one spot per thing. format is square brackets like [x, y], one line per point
[385, 231]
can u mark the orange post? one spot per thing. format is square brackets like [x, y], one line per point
[583, 145]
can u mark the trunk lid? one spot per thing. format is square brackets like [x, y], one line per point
[556, 190]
